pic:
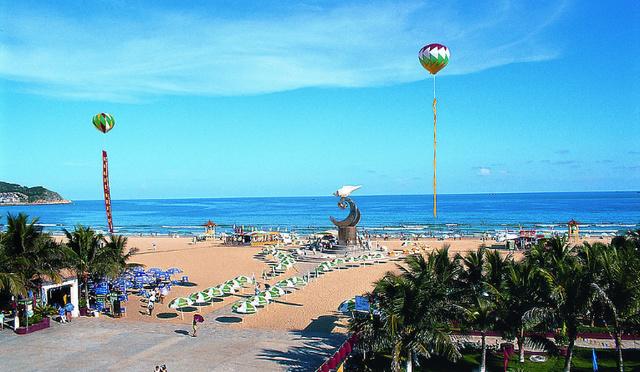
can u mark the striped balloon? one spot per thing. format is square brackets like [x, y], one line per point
[434, 57]
[104, 122]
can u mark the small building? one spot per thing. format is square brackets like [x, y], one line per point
[57, 293]
[573, 231]
[210, 230]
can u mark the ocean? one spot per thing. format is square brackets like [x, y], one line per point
[469, 214]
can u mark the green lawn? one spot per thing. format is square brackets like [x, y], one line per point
[471, 361]
[581, 362]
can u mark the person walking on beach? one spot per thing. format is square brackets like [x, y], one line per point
[151, 303]
[194, 325]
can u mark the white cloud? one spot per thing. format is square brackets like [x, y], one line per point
[119, 58]
[483, 171]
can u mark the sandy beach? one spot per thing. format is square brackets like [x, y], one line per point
[311, 307]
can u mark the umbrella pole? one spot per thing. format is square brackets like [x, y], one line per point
[181, 315]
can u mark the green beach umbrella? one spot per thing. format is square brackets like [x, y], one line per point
[227, 288]
[200, 297]
[214, 292]
[266, 295]
[280, 268]
[243, 279]
[298, 281]
[243, 307]
[286, 283]
[179, 303]
[339, 261]
[276, 292]
[235, 283]
[353, 260]
[258, 300]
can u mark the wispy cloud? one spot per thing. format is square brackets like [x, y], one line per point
[484, 171]
[125, 53]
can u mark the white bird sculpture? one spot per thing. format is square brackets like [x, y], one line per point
[345, 191]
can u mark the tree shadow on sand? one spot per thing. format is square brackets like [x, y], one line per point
[312, 352]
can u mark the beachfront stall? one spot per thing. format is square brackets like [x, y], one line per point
[242, 236]
[61, 294]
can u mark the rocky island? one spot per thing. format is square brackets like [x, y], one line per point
[14, 194]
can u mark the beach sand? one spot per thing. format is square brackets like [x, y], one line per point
[311, 308]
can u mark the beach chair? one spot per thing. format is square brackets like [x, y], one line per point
[185, 279]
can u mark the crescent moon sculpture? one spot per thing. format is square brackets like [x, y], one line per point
[354, 213]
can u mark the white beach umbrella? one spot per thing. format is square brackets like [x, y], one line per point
[298, 280]
[227, 288]
[276, 292]
[214, 292]
[243, 307]
[235, 283]
[200, 297]
[258, 300]
[243, 279]
[280, 268]
[179, 303]
[286, 283]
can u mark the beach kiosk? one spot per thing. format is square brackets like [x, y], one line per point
[573, 231]
[62, 293]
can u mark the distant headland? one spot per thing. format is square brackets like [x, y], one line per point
[14, 194]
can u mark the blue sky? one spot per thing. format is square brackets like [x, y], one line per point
[217, 99]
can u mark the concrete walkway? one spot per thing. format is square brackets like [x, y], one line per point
[119, 345]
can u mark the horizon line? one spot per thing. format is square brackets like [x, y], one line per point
[367, 195]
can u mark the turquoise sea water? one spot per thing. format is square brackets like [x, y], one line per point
[609, 212]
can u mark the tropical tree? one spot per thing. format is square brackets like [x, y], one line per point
[116, 245]
[618, 289]
[414, 313]
[29, 254]
[482, 315]
[568, 295]
[90, 254]
[521, 293]
[9, 280]
[85, 254]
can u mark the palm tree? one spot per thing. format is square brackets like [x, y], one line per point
[90, 254]
[414, 310]
[10, 281]
[497, 268]
[481, 314]
[521, 293]
[85, 254]
[475, 268]
[618, 289]
[568, 286]
[116, 245]
[29, 253]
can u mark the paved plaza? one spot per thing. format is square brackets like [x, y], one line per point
[89, 344]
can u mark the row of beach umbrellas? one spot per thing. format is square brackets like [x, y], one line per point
[348, 261]
[262, 299]
[205, 296]
[285, 259]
